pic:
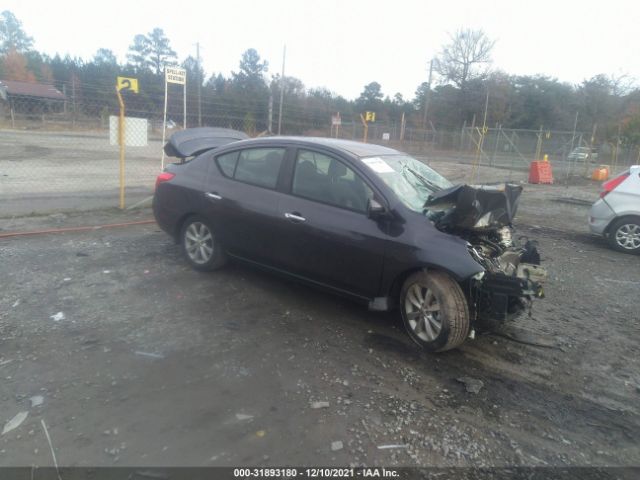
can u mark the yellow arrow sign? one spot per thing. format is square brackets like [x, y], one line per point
[370, 116]
[126, 84]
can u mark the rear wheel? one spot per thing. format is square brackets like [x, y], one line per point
[624, 235]
[434, 311]
[200, 246]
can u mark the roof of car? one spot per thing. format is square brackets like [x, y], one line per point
[358, 149]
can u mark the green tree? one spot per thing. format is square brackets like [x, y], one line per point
[160, 51]
[151, 52]
[248, 92]
[139, 52]
[540, 100]
[252, 70]
[104, 56]
[371, 98]
[12, 35]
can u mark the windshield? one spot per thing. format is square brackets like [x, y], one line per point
[410, 179]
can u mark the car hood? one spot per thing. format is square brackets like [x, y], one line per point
[474, 207]
[193, 141]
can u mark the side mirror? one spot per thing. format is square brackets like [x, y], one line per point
[375, 209]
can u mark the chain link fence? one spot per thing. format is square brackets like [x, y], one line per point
[62, 153]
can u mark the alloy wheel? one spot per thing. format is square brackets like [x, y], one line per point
[628, 236]
[198, 243]
[422, 310]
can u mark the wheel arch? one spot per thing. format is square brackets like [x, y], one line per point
[396, 285]
[179, 224]
[615, 220]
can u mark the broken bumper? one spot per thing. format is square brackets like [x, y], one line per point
[501, 297]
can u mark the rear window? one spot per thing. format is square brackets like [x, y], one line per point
[227, 163]
[259, 166]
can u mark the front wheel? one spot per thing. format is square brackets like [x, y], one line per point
[200, 246]
[434, 311]
[624, 235]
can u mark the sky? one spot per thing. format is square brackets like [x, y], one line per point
[343, 45]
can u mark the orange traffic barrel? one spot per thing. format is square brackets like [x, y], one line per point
[601, 173]
[540, 172]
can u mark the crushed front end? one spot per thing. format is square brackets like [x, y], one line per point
[482, 215]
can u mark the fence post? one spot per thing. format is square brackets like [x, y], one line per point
[495, 150]
[121, 143]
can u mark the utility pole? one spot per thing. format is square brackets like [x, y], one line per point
[73, 94]
[270, 118]
[427, 100]
[199, 80]
[284, 57]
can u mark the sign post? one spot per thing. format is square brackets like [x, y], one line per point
[367, 117]
[179, 76]
[123, 84]
[336, 121]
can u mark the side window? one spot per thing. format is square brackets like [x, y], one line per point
[227, 163]
[328, 180]
[259, 166]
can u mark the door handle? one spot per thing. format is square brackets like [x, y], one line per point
[213, 196]
[294, 218]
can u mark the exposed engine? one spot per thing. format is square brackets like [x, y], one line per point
[482, 216]
[497, 253]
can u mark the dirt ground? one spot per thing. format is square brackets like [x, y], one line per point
[155, 364]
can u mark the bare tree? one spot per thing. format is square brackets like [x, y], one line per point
[465, 56]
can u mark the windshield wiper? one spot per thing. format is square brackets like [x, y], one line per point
[428, 183]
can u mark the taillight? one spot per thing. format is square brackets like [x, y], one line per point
[612, 184]
[164, 177]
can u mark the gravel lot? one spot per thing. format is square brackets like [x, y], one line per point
[156, 364]
[45, 171]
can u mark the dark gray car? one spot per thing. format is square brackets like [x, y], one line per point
[360, 220]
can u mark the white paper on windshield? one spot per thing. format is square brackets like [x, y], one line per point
[377, 164]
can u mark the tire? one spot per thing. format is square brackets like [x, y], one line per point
[624, 235]
[446, 325]
[200, 246]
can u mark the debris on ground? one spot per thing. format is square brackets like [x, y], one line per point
[16, 303]
[15, 422]
[473, 385]
[525, 337]
[317, 405]
[56, 317]
[389, 447]
[149, 354]
[335, 446]
[243, 416]
[36, 400]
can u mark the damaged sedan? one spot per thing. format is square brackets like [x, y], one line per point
[360, 220]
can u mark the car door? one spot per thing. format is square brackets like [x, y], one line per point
[326, 234]
[242, 200]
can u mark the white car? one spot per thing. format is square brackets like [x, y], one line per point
[583, 153]
[616, 215]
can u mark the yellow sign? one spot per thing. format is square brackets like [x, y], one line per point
[370, 116]
[125, 84]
